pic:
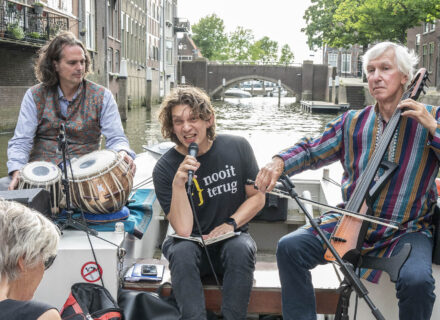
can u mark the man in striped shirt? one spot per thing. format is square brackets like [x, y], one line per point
[407, 198]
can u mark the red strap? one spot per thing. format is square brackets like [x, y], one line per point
[110, 316]
[71, 302]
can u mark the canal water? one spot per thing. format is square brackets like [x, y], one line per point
[269, 127]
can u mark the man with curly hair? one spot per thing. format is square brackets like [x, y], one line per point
[64, 96]
[221, 200]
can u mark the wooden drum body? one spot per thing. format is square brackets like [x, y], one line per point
[101, 182]
[46, 175]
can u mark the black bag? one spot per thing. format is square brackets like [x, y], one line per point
[436, 236]
[90, 301]
[148, 305]
[275, 209]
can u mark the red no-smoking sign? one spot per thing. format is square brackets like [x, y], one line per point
[90, 271]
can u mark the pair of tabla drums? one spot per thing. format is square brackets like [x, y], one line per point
[101, 181]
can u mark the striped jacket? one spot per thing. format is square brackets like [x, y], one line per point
[409, 195]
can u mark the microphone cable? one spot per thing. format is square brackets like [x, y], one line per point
[199, 229]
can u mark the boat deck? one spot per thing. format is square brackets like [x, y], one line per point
[322, 106]
[266, 292]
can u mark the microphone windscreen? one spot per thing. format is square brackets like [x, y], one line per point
[193, 149]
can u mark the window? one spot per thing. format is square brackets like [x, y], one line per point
[417, 43]
[433, 26]
[333, 59]
[425, 56]
[113, 15]
[123, 38]
[90, 24]
[110, 60]
[117, 60]
[169, 52]
[431, 57]
[346, 63]
[425, 27]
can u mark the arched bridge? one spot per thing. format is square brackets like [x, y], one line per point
[306, 82]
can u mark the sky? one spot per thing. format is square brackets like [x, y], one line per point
[280, 20]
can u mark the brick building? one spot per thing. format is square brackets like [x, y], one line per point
[425, 41]
[24, 29]
[348, 61]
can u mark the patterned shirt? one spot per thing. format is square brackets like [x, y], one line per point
[409, 195]
[21, 144]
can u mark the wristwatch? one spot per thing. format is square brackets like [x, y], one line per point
[232, 222]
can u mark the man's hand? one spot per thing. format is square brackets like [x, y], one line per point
[218, 231]
[181, 176]
[15, 178]
[269, 175]
[418, 112]
[129, 160]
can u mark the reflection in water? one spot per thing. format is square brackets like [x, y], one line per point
[268, 127]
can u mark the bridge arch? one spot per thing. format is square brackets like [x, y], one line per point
[231, 82]
[307, 81]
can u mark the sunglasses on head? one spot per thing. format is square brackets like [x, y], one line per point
[49, 262]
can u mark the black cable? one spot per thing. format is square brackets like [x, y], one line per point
[201, 236]
[83, 218]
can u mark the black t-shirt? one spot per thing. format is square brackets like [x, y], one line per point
[22, 310]
[221, 179]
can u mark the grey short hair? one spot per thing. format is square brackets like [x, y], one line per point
[24, 233]
[406, 60]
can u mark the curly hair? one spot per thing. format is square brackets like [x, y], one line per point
[44, 67]
[193, 97]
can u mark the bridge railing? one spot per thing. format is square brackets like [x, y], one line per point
[255, 63]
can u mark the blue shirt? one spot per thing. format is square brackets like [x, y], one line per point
[20, 146]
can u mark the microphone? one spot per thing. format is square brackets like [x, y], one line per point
[61, 137]
[193, 149]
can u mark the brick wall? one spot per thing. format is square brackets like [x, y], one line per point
[16, 76]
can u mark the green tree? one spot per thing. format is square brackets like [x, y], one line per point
[264, 50]
[210, 37]
[339, 23]
[240, 43]
[287, 56]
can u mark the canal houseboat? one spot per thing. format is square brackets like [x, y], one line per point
[117, 250]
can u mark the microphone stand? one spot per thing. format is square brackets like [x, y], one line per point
[70, 222]
[351, 280]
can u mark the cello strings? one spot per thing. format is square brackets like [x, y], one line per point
[381, 221]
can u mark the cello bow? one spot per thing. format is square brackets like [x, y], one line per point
[347, 233]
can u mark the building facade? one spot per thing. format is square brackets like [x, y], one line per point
[425, 41]
[25, 28]
[348, 62]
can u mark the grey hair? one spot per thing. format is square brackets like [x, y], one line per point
[406, 60]
[24, 233]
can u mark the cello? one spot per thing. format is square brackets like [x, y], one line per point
[347, 237]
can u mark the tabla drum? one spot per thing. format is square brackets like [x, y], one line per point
[46, 175]
[101, 182]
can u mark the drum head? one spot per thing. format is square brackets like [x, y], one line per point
[40, 171]
[93, 163]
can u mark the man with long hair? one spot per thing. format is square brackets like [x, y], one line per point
[64, 96]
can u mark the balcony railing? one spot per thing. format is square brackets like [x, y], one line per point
[20, 23]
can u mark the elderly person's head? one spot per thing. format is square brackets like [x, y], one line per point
[29, 243]
[405, 60]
